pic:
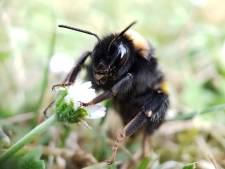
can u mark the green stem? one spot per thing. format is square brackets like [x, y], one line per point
[27, 138]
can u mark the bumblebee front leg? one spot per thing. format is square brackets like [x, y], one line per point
[123, 85]
[71, 77]
[137, 122]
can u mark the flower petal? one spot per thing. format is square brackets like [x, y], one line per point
[95, 111]
[82, 92]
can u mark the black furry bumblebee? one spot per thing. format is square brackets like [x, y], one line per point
[124, 67]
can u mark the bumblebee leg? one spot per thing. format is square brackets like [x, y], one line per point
[103, 96]
[46, 109]
[121, 86]
[137, 122]
[145, 144]
[61, 85]
[157, 108]
[71, 77]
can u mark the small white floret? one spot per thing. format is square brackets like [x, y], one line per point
[82, 92]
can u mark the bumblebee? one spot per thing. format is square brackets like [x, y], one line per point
[123, 65]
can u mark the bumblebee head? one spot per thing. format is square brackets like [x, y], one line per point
[111, 55]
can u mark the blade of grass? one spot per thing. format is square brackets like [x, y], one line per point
[44, 82]
[189, 116]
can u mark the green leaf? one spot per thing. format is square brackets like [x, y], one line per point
[32, 160]
[144, 163]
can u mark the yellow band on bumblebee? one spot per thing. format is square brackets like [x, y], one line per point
[164, 87]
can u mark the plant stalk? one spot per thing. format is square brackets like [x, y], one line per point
[28, 138]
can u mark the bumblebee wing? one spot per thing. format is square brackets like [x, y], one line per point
[140, 44]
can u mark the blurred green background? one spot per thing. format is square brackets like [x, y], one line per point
[189, 37]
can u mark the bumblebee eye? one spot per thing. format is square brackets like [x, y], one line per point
[121, 54]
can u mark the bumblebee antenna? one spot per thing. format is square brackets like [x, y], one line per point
[81, 30]
[121, 33]
[128, 27]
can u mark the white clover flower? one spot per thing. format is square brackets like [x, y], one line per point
[82, 92]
